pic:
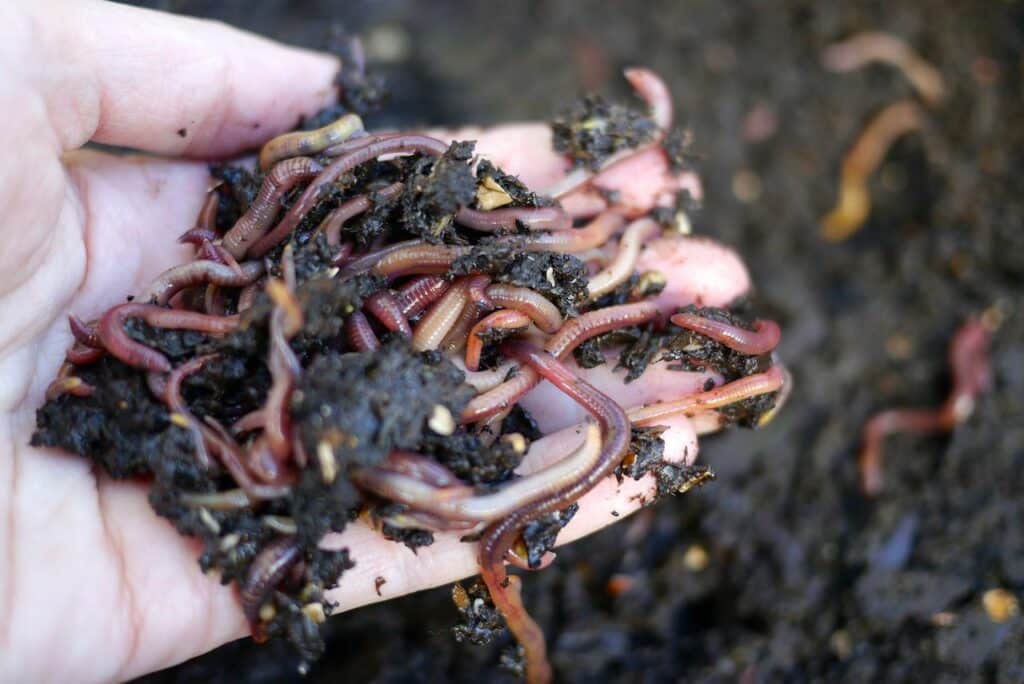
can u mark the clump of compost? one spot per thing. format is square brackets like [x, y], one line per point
[318, 362]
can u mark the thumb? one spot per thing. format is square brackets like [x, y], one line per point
[165, 84]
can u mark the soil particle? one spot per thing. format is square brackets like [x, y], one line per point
[677, 147]
[120, 427]
[365, 404]
[479, 621]
[434, 191]
[562, 278]
[411, 537]
[592, 129]
[521, 195]
[175, 344]
[238, 188]
[472, 461]
[646, 451]
[540, 535]
[520, 421]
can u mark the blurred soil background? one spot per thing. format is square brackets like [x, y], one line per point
[780, 570]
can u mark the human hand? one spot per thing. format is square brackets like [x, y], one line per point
[94, 585]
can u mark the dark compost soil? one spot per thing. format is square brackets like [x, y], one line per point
[803, 579]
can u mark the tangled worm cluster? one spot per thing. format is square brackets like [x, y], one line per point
[362, 317]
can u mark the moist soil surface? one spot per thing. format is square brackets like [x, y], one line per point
[779, 570]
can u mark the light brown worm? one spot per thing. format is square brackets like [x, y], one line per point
[854, 203]
[578, 240]
[738, 390]
[440, 318]
[308, 143]
[624, 263]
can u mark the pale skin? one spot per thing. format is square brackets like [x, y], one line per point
[93, 585]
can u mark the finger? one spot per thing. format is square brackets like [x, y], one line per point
[553, 410]
[643, 181]
[698, 271]
[524, 150]
[167, 84]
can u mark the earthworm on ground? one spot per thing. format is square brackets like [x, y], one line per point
[972, 376]
[874, 46]
[854, 203]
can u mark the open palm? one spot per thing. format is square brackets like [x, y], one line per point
[93, 585]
